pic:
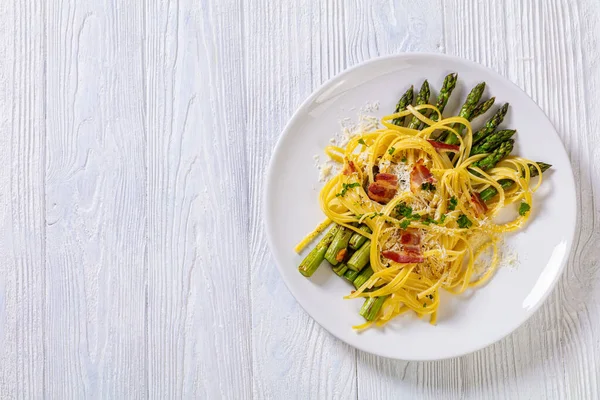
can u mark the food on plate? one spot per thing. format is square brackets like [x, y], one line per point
[412, 209]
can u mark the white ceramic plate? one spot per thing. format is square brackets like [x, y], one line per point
[465, 323]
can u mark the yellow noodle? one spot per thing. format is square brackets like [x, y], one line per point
[449, 250]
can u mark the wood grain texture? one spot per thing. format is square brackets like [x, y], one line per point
[135, 137]
[22, 278]
[199, 341]
[293, 357]
[95, 202]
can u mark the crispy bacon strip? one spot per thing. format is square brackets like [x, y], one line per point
[349, 168]
[478, 204]
[403, 257]
[341, 255]
[381, 192]
[384, 188]
[410, 236]
[444, 146]
[391, 178]
[419, 175]
[411, 241]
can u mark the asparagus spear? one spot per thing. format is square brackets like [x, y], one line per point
[340, 269]
[491, 124]
[338, 248]
[467, 109]
[481, 108]
[490, 192]
[361, 257]
[351, 275]
[311, 262]
[447, 88]
[404, 101]
[502, 151]
[492, 142]
[364, 276]
[543, 166]
[357, 239]
[422, 98]
[371, 307]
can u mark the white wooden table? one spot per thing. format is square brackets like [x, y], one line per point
[134, 136]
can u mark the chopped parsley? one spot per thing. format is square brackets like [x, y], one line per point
[404, 210]
[359, 216]
[452, 203]
[391, 150]
[428, 186]
[424, 305]
[430, 296]
[345, 187]
[428, 220]
[464, 222]
[404, 159]
[361, 141]
[524, 209]
[376, 215]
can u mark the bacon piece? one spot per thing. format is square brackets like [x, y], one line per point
[403, 257]
[391, 178]
[419, 175]
[410, 236]
[411, 241]
[384, 188]
[349, 168]
[382, 192]
[341, 255]
[478, 204]
[444, 146]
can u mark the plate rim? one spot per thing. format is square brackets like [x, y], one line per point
[286, 131]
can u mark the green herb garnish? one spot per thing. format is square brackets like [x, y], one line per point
[345, 187]
[464, 222]
[405, 223]
[452, 203]
[361, 141]
[404, 159]
[442, 218]
[524, 209]
[428, 186]
[391, 150]
[428, 221]
[404, 210]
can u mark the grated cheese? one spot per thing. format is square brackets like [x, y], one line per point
[325, 172]
[402, 170]
[349, 128]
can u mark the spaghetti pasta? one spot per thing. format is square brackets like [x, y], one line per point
[422, 202]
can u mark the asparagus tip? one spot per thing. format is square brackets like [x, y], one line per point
[543, 166]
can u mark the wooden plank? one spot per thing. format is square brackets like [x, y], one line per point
[291, 49]
[198, 276]
[569, 88]
[96, 202]
[22, 274]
